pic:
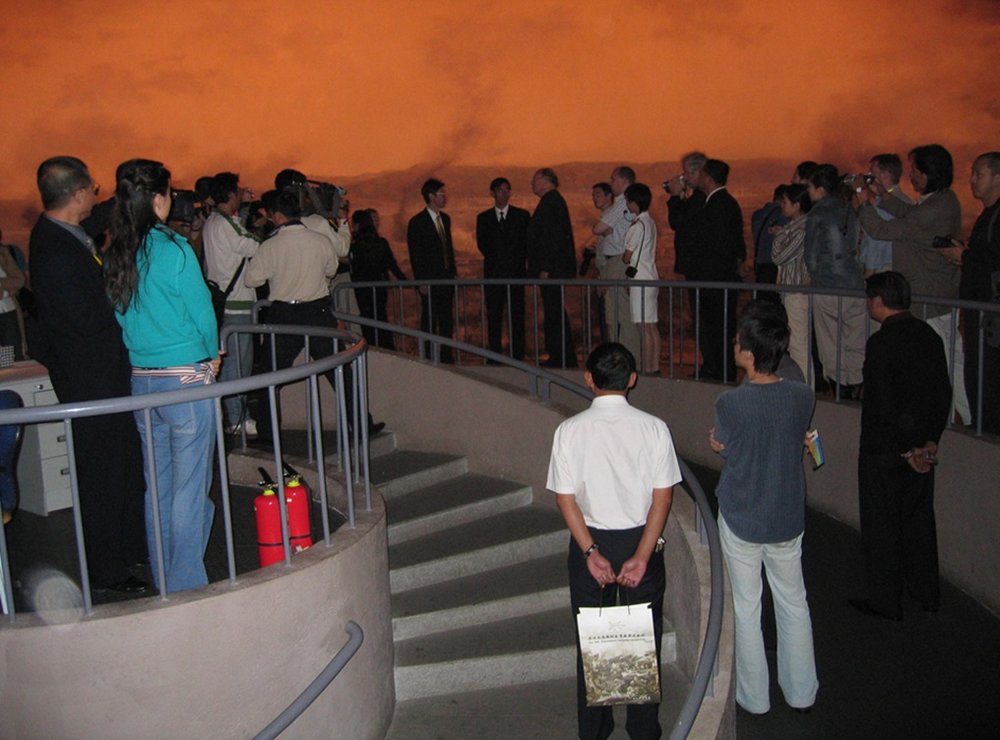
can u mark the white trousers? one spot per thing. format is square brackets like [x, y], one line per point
[943, 326]
[796, 661]
[797, 308]
[850, 313]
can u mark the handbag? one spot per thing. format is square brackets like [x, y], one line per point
[220, 296]
[631, 271]
[618, 648]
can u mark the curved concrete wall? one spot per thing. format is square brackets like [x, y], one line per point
[966, 501]
[221, 662]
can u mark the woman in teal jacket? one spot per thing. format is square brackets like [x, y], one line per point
[165, 311]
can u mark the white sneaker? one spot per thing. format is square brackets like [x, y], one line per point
[249, 426]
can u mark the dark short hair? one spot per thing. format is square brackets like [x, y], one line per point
[269, 200]
[60, 177]
[203, 187]
[639, 194]
[625, 172]
[603, 187]
[805, 169]
[763, 332]
[778, 192]
[891, 163]
[717, 170]
[224, 184]
[891, 287]
[827, 177]
[549, 174]
[763, 308]
[287, 204]
[991, 160]
[935, 162]
[430, 187]
[497, 182]
[611, 365]
[288, 177]
[798, 193]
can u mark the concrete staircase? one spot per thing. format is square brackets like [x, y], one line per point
[479, 599]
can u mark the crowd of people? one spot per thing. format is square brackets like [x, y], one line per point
[129, 296]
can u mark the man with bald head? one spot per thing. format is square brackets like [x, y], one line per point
[551, 254]
[80, 343]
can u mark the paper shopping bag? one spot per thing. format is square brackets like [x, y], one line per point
[619, 655]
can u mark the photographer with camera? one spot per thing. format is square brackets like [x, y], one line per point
[325, 211]
[886, 169]
[916, 254]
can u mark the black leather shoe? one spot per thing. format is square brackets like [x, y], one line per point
[374, 429]
[130, 585]
[865, 607]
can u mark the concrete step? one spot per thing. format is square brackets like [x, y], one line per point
[539, 710]
[525, 588]
[402, 471]
[495, 542]
[536, 647]
[450, 503]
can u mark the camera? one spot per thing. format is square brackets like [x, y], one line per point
[867, 177]
[323, 198]
[942, 242]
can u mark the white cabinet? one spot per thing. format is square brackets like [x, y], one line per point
[43, 466]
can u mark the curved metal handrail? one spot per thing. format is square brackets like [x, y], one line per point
[952, 306]
[713, 628]
[66, 412]
[316, 687]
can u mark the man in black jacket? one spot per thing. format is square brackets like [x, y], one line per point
[714, 237]
[903, 413]
[502, 237]
[552, 254]
[80, 343]
[432, 257]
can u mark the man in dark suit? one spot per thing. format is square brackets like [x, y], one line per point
[80, 343]
[551, 254]
[502, 237]
[432, 257]
[903, 414]
[714, 234]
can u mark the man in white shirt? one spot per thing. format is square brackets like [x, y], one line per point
[613, 468]
[227, 248]
[611, 228]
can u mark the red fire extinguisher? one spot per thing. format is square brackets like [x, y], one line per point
[269, 547]
[297, 500]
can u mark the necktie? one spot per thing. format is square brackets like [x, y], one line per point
[444, 242]
[503, 222]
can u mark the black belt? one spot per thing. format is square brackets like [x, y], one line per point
[325, 300]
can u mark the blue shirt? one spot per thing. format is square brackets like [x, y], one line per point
[762, 490]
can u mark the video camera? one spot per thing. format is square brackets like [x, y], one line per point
[314, 196]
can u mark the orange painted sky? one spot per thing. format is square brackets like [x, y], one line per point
[342, 88]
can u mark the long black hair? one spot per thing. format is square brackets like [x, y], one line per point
[138, 180]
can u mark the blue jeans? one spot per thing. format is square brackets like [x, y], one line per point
[796, 659]
[232, 368]
[182, 449]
